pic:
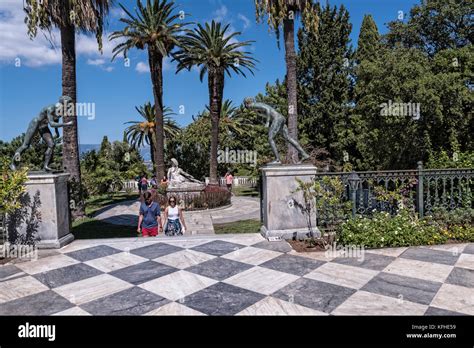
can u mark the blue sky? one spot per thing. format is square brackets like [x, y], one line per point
[116, 89]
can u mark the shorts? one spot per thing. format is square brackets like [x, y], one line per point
[152, 231]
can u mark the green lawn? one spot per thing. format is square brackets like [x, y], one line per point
[89, 228]
[95, 203]
[245, 191]
[244, 226]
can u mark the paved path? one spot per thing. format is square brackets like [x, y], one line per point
[198, 222]
[237, 275]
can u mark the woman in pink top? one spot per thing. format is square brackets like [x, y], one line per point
[229, 179]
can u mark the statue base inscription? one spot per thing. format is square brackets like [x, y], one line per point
[280, 213]
[54, 229]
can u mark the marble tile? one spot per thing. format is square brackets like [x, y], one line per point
[246, 239]
[462, 277]
[115, 262]
[262, 280]
[74, 311]
[129, 246]
[281, 246]
[321, 296]
[8, 272]
[455, 298]
[42, 303]
[430, 255]
[419, 269]
[316, 255]
[75, 246]
[92, 253]
[366, 303]
[367, 260]
[338, 274]
[155, 250]
[133, 301]
[187, 244]
[222, 299]
[92, 288]
[16, 288]
[273, 306]
[457, 248]
[253, 256]
[469, 249]
[292, 264]
[403, 288]
[394, 252]
[65, 275]
[433, 311]
[47, 264]
[143, 272]
[465, 261]
[184, 259]
[219, 268]
[218, 247]
[177, 285]
[172, 309]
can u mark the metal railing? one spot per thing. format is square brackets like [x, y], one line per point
[423, 189]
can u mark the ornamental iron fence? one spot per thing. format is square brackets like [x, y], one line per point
[423, 190]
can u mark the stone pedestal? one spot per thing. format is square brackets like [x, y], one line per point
[54, 228]
[281, 217]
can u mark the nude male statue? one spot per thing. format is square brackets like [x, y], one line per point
[276, 123]
[49, 115]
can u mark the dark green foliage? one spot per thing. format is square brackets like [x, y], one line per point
[105, 170]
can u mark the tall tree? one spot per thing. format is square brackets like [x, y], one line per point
[368, 44]
[142, 133]
[216, 53]
[69, 15]
[282, 13]
[155, 26]
[435, 25]
[324, 68]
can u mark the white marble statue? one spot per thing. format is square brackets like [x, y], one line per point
[178, 178]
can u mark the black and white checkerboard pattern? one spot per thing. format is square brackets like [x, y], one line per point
[239, 275]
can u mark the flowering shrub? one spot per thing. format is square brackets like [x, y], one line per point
[403, 229]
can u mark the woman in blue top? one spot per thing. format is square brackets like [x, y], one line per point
[149, 219]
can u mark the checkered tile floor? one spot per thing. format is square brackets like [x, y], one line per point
[237, 275]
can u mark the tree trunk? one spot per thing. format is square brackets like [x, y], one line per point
[70, 136]
[216, 91]
[291, 86]
[152, 141]
[156, 69]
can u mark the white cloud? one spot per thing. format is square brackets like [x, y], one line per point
[142, 67]
[220, 14]
[245, 21]
[98, 61]
[41, 50]
[15, 43]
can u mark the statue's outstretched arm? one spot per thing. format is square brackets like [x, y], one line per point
[55, 124]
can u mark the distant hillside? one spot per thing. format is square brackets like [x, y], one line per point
[83, 148]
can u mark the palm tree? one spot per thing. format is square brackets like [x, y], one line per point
[142, 133]
[155, 27]
[282, 13]
[69, 16]
[216, 53]
[231, 120]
